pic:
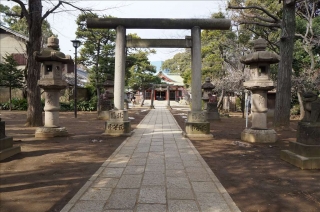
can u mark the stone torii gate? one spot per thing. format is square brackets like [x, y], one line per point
[197, 124]
[167, 86]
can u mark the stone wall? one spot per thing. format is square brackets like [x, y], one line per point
[4, 94]
[66, 94]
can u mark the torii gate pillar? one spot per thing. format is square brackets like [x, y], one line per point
[197, 124]
[119, 124]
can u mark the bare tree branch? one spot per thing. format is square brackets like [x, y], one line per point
[50, 11]
[258, 8]
[269, 20]
[24, 11]
[278, 25]
[273, 46]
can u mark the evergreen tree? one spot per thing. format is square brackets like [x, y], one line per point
[97, 52]
[141, 72]
[10, 76]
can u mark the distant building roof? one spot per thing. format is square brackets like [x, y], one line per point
[82, 78]
[14, 32]
[171, 78]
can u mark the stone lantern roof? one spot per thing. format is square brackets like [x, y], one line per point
[108, 83]
[52, 53]
[208, 85]
[260, 55]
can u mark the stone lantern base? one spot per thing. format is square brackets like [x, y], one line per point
[7, 149]
[197, 125]
[104, 115]
[305, 153]
[212, 112]
[118, 124]
[259, 136]
[50, 132]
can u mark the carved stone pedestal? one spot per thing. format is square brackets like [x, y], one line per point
[197, 125]
[105, 107]
[259, 136]
[212, 112]
[118, 124]
[50, 132]
[51, 126]
[305, 153]
[104, 115]
[6, 144]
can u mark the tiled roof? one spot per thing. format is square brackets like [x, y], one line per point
[14, 32]
[172, 78]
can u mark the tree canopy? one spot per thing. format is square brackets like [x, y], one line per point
[97, 52]
[18, 24]
[141, 72]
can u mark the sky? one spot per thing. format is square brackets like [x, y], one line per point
[63, 24]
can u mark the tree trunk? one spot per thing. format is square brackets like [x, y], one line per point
[97, 76]
[283, 97]
[34, 113]
[221, 99]
[10, 97]
[301, 105]
[98, 95]
[243, 103]
[143, 97]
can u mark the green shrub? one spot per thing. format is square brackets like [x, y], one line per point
[295, 110]
[90, 105]
[238, 104]
[65, 106]
[16, 104]
[22, 104]
[4, 106]
[93, 102]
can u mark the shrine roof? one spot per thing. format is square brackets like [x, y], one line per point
[172, 78]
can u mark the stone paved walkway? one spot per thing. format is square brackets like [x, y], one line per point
[156, 169]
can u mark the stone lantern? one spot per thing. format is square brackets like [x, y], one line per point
[259, 84]
[6, 144]
[210, 101]
[207, 90]
[126, 100]
[52, 83]
[106, 99]
[305, 151]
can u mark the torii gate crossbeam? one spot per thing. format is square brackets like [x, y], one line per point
[158, 23]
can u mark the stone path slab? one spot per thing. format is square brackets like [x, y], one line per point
[156, 169]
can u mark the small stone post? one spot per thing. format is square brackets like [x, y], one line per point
[259, 83]
[305, 152]
[127, 100]
[152, 97]
[168, 98]
[6, 144]
[197, 124]
[119, 123]
[51, 82]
